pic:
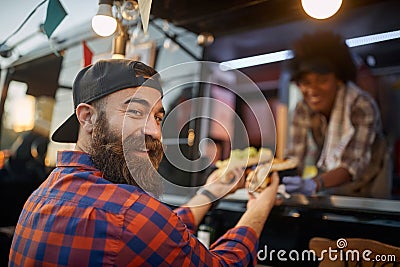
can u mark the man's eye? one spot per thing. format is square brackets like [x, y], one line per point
[134, 112]
[159, 119]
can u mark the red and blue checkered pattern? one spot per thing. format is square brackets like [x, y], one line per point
[77, 218]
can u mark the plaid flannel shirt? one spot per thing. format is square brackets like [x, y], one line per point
[365, 118]
[77, 218]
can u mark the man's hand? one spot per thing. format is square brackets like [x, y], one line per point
[201, 203]
[214, 184]
[260, 205]
[268, 195]
[296, 184]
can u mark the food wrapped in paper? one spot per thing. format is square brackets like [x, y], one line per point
[259, 178]
[243, 158]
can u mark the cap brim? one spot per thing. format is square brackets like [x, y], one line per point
[68, 131]
[314, 66]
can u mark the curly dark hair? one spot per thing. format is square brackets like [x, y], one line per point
[323, 47]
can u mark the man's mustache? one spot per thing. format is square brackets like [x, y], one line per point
[143, 142]
[154, 146]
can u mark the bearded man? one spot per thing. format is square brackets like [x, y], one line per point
[98, 207]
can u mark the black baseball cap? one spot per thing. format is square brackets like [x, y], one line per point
[314, 65]
[96, 81]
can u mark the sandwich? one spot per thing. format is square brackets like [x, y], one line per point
[259, 178]
[259, 164]
[243, 158]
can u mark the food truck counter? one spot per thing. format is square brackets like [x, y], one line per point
[291, 225]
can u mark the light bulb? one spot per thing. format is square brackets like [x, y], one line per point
[130, 10]
[103, 23]
[205, 39]
[321, 9]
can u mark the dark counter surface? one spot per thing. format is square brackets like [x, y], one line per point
[360, 210]
[237, 202]
[291, 225]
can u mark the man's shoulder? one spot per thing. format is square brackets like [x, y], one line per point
[86, 188]
[147, 203]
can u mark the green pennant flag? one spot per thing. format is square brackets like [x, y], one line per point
[55, 14]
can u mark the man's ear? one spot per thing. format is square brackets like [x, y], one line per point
[87, 116]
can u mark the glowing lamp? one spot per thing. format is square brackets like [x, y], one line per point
[103, 23]
[321, 9]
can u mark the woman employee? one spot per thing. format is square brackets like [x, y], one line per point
[336, 126]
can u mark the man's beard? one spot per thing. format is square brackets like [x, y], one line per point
[107, 153]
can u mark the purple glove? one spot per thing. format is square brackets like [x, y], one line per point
[296, 184]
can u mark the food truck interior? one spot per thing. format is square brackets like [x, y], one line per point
[232, 30]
